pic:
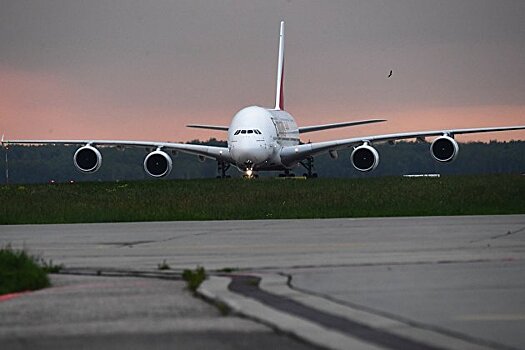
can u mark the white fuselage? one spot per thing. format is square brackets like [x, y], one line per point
[256, 136]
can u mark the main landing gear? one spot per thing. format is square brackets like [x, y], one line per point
[222, 168]
[287, 173]
[308, 164]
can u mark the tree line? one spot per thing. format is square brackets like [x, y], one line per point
[43, 164]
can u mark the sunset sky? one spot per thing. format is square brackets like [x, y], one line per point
[142, 70]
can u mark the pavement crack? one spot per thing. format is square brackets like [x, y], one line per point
[132, 244]
[508, 233]
[501, 235]
[126, 244]
[372, 264]
[112, 272]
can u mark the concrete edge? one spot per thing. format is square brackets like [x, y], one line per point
[278, 285]
[216, 288]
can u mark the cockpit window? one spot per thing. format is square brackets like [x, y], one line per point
[253, 131]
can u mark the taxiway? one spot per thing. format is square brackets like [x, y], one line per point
[439, 282]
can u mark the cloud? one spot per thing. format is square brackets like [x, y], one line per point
[144, 69]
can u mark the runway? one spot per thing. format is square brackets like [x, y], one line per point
[460, 277]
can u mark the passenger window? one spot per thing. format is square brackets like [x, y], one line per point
[237, 132]
[243, 132]
[250, 131]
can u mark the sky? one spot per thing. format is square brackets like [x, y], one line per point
[142, 70]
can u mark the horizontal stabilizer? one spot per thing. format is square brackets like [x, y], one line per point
[305, 129]
[211, 127]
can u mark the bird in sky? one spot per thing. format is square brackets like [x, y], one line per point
[389, 74]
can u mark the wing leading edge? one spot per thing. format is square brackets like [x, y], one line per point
[213, 152]
[295, 153]
[209, 127]
[312, 128]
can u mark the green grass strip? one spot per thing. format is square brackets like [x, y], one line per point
[20, 272]
[236, 199]
[194, 278]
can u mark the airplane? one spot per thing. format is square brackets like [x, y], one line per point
[267, 139]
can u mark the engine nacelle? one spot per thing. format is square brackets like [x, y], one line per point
[158, 164]
[87, 159]
[444, 149]
[365, 158]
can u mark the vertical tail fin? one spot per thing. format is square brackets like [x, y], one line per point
[279, 93]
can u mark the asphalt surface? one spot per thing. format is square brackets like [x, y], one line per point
[86, 312]
[462, 276]
[483, 300]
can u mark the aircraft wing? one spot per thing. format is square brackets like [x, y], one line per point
[306, 129]
[210, 127]
[295, 153]
[213, 152]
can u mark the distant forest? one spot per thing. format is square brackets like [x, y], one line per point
[42, 164]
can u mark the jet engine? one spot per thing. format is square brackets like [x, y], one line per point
[444, 149]
[87, 159]
[158, 164]
[365, 158]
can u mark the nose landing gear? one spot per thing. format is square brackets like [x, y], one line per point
[250, 174]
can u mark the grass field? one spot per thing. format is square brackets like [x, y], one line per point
[261, 199]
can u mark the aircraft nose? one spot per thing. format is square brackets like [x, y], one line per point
[253, 154]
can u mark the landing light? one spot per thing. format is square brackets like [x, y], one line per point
[249, 172]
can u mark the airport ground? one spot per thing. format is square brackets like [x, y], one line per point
[238, 199]
[376, 283]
